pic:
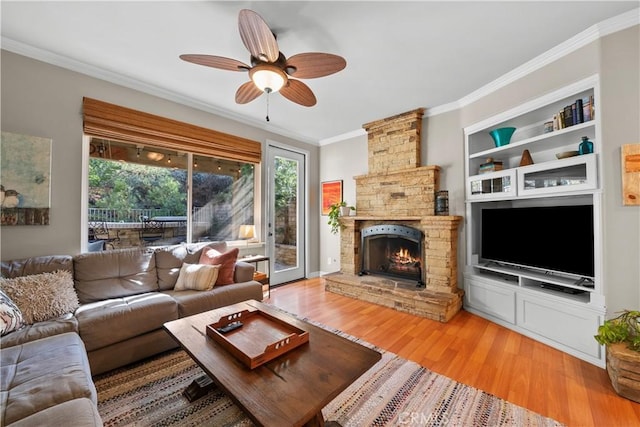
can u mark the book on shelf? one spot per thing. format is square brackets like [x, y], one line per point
[591, 108]
[568, 116]
[259, 276]
[581, 111]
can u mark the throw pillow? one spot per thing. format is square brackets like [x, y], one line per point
[42, 296]
[10, 315]
[200, 277]
[227, 262]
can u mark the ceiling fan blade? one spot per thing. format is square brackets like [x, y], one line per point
[314, 64]
[257, 36]
[216, 62]
[298, 92]
[247, 93]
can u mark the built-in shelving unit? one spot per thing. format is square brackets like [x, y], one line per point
[562, 310]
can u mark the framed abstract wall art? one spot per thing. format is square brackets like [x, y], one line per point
[331, 193]
[25, 179]
[631, 174]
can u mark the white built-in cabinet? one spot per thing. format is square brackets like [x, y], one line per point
[532, 302]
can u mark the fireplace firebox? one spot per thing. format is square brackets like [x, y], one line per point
[393, 250]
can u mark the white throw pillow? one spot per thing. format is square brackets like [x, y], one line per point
[200, 277]
[10, 315]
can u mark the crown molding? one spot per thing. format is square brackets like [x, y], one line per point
[591, 34]
[135, 84]
[353, 134]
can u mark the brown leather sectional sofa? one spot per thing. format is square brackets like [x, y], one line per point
[125, 298]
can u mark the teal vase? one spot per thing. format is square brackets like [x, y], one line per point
[586, 146]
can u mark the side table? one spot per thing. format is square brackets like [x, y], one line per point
[256, 259]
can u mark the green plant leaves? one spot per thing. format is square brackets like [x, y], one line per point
[623, 328]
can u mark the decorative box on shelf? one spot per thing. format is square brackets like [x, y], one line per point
[490, 166]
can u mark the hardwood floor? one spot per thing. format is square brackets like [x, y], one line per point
[475, 352]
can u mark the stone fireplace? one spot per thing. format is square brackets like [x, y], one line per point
[396, 200]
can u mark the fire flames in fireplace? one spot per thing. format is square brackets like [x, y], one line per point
[403, 257]
[403, 262]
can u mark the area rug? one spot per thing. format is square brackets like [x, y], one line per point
[394, 392]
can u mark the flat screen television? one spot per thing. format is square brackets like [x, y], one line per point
[551, 238]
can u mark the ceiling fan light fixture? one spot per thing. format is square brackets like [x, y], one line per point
[268, 78]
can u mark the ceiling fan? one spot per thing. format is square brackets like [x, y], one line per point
[270, 71]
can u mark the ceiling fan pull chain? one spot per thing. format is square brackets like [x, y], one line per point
[268, 92]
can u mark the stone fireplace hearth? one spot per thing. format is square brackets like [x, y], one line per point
[399, 192]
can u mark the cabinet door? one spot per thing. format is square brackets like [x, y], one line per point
[496, 300]
[572, 174]
[563, 323]
[492, 186]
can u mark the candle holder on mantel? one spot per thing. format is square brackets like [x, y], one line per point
[442, 203]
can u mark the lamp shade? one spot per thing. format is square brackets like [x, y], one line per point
[268, 77]
[247, 232]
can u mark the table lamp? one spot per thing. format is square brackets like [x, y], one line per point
[247, 232]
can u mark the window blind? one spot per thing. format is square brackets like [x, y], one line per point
[109, 121]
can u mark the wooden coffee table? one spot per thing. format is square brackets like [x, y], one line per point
[290, 390]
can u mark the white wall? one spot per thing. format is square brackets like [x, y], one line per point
[620, 88]
[44, 100]
[340, 161]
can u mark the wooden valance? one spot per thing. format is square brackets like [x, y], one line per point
[114, 122]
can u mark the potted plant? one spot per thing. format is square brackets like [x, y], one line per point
[621, 336]
[337, 210]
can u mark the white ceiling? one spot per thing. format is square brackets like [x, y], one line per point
[400, 55]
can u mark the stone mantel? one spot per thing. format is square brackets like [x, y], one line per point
[346, 219]
[454, 219]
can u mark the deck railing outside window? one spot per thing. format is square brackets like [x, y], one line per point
[131, 215]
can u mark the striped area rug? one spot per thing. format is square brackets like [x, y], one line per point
[394, 392]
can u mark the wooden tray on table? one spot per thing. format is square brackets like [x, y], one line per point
[261, 337]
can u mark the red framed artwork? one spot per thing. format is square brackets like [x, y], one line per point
[331, 193]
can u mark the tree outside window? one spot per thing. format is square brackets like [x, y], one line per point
[128, 184]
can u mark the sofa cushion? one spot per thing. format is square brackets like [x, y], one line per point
[243, 272]
[42, 296]
[77, 413]
[59, 325]
[114, 274]
[169, 259]
[36, 265]
[199, 277]
[194, 302]
[226, 260]
[106, 322]
[10, 315]
[43, 373]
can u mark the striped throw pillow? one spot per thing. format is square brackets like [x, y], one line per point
[199, 277]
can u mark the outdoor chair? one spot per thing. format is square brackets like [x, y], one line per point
[151, 231]
[180, 230]
[99, 232]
